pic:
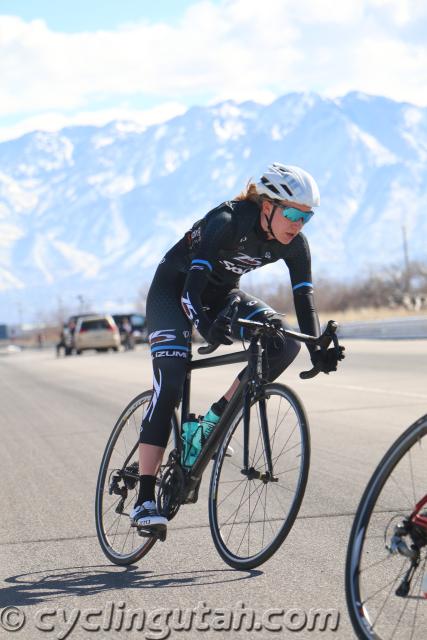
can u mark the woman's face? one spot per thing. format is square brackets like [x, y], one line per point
[284, 230]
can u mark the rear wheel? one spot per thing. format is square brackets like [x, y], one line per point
[117, 486]
[251, 513]
[387, 550]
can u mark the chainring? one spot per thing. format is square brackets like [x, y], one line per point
[172, 489]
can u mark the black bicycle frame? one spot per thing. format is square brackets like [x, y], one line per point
[250, 386]
[251, 377]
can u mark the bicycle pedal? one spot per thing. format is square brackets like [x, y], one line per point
[160, 533]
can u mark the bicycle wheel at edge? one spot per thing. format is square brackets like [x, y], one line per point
[246, 531]
[372, 573]
[119, 541]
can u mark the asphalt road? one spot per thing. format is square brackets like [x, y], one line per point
[55, 417]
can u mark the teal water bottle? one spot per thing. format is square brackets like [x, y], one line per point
[191, 441]
[208, 422]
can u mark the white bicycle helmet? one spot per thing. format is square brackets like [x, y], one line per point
[286, 182]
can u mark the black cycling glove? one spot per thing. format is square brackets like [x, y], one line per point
[220, 332]
[327, 359]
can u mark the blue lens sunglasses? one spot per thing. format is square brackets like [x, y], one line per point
[295, 215]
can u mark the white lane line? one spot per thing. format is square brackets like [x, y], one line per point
[391, 392]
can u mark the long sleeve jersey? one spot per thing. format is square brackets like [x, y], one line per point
[229, 242]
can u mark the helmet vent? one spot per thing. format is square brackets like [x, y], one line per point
[270, 186]
[286, 188]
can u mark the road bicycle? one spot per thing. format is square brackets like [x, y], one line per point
[260, 451]
[387, 550]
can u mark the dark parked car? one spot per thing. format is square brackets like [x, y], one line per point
[137, 323]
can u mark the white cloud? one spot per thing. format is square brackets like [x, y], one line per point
[238, 49]
[137, 119]
[402, 12]
[213, 50]
[407, 63]
[328, 11]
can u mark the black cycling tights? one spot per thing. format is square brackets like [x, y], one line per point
[170, 332]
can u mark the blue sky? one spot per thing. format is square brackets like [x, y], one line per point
[90, 62]
[91, 15]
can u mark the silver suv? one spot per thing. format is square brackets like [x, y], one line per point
[98, 332]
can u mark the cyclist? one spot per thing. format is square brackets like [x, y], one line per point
[191, 285]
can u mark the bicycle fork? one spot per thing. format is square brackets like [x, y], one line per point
[257, 353]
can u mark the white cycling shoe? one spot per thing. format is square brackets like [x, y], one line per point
[146, 516]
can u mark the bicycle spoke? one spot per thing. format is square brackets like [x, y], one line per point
[274, 459]
[127, 536]
[284, 446]
[265, 510]
[249, 522]
[259, 439]
[412, 476]
[410, 503]
[117, 528]
[235, 516]
[119, 515]
[282, 486]
[232, 491]
[284, 509]
[275, 430]
[242, 504]
[400, 617]
[137, 428]
[391, 582]
[375, 564]
[114, 504]
[280, 473]
[421, 574]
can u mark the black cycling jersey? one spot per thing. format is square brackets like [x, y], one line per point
[192, 283]
[229, 242]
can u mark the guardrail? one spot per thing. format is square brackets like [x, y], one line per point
[391, 329]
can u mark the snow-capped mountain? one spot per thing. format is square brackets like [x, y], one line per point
[90, 211]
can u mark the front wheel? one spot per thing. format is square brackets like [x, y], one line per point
[251, 514]
[387, 550]
[117, 486]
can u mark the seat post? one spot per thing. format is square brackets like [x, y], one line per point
[186, 391]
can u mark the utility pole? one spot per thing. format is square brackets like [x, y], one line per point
[20, 313]
[407, 279]
[81, 300]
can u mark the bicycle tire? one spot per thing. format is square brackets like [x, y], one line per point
[359, 614]
[252, 560]
[147, 543]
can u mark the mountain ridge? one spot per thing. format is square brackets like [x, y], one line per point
[91, 210]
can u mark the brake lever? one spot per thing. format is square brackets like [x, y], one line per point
[306, 375]
[204, 350]
[328, 336]
[232, 305]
